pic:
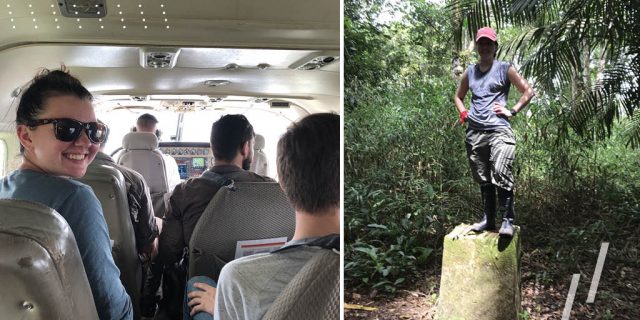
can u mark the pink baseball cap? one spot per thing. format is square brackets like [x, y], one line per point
[488, 33]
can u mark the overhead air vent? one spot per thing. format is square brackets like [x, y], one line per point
[260, 100]
[280, 104]
[315, 61]
[83, 8]
[158, 58]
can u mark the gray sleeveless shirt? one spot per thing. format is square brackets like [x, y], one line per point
[488, 88]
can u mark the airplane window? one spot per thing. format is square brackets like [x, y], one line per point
[3, 157]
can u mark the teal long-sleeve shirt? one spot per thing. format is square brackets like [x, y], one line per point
[81, 209]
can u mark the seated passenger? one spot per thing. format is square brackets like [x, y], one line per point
[59, 137]
[147, 123]
[232, 146]
[140, 206]
[308, 165]
[145, 226]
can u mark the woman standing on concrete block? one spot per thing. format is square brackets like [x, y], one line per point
[489, 139]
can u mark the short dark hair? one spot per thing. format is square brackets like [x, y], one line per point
[146, 120]
[48, 84]
[228, 134]
[309, 162]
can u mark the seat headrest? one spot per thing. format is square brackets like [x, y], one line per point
[140, 141]
[259, 142]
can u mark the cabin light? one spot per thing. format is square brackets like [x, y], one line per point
[167, 27]
[216, 83]
[264, 66]
[139, 5]
[145, 27]
[11, 19]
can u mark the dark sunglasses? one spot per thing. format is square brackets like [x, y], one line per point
[68, 130]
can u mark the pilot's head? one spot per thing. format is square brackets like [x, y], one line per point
[147, 123]
[232, 136]
[309, 163]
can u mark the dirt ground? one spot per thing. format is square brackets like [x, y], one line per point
[618, 295]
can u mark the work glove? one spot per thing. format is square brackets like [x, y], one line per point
[463, 116]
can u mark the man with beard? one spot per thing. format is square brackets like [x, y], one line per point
[232, 140]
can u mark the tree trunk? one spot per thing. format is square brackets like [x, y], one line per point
[480, 276]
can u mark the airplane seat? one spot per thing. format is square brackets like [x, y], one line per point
[260, 163]
[314, 292]
[244, 211]
[41, 270]
[141, 153]
[109, 186]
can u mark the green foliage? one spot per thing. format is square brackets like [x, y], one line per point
[407, 180]
[584, 50]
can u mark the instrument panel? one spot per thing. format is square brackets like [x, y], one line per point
[193, 158]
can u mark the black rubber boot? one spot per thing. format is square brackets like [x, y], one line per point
[488, 221]
[505, 200]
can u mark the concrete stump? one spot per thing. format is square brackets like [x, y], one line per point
[480, 276]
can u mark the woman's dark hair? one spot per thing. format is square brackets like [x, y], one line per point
[45, 85]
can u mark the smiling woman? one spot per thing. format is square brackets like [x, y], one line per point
[52, 118]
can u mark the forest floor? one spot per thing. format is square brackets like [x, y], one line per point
[545, 280]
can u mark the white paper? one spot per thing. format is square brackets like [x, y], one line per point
[248, 247]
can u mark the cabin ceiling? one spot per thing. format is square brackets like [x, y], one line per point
[105, 53]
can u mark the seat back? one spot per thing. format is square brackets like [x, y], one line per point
[41, 270]
[260, 164]
[314, 293]
[140, 153]
[109, 186]
[246, 211]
